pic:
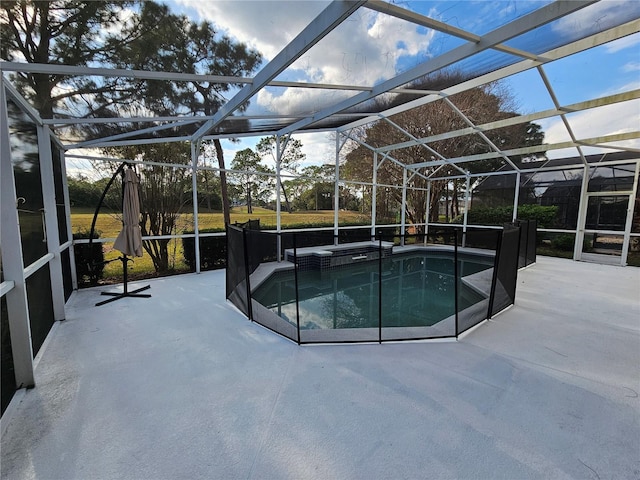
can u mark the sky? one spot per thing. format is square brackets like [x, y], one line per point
[370, 48]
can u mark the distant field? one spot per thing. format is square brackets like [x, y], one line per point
[109, 226]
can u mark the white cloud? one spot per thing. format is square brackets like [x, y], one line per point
[363, 50]
[624, 42]
[586, 18]
[598, 122]
[631, 67]
[265, 25]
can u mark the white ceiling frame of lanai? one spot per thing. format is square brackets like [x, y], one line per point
[502, 34]
[340, 114]
[552, 55]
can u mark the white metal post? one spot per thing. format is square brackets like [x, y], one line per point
[467, 203]
[278, 199]
[51, 220]
[582, 214]
[336, 193]
[374, 194]
[629, 222]
[404, 206]
[427, 212]
[195, 148]
[516, 196]
[67, 212]
[12, 264]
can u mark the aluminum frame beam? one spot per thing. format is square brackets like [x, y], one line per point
[502, 34]
[71, 70]
[508, 122]
[592, 142]
[322, 25]
[424, 21]
[552, 55]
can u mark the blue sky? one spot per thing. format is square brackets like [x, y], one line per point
[371, 47]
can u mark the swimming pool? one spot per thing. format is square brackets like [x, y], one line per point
[418, 290]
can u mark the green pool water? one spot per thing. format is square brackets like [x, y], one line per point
[417, 290]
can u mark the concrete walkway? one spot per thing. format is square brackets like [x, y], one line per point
[182, 386]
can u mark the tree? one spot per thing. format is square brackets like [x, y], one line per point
[290, 158]
[63, 32]
[253, 185]
[480, 105]
[164, 192]
[83, 193]
[147, 37]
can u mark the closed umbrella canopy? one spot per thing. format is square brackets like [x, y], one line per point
[129, 240]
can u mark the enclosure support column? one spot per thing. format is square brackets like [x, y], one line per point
[51, 221]
[67, 212]
[336, 193]
[516, 196]
[582, 214]
[404, 206]
[195, 147]
[12, 266]
[427, 212]
[278, 200]
[374, 194]
[629, 222]
[467, 202]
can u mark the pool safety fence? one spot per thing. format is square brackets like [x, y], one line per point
[315, 287]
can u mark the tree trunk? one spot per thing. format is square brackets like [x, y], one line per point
[286, 200]
[223, 182]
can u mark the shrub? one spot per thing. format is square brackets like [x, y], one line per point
[564, 242]
[213, 250]
[544, 215]
[89, 258]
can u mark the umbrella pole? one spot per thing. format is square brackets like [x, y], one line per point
[125, 292]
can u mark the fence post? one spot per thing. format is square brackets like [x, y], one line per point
[456, 274]
[379, 287]
[494, 280]
[295, 274]
[246, 272]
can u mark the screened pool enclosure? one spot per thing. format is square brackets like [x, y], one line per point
[389, 174]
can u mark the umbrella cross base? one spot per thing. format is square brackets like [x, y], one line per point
[125, 293]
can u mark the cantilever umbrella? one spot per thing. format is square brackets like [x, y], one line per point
[129, 241]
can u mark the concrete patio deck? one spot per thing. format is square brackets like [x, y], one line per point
[183, 386]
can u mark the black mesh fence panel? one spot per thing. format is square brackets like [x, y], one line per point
[67, 282]
[442, 235]
[337, 287]
[8, 385]
[236, 273]
[476, 260]
[505, 276]
[483, 239]
[522, 241]
[532, 239]
[419, 288]
[273, 303]
[527, 245]
[348, 235]
[262, 247]
[310, 288]
[40, 300]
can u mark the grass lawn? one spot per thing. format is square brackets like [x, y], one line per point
[109, 226]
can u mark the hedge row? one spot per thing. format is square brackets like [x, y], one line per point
[89, 259]
[544, 215]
